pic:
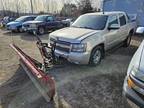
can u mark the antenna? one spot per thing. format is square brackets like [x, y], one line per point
[103, 5]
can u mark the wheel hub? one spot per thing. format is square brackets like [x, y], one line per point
[97, 57]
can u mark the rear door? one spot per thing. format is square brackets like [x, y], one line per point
[123, 27]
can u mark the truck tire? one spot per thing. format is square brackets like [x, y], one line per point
[41, 30]
[128, 40]
[96, 56]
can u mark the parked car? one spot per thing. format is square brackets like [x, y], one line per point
[140, 31]
[43, 24]
[17, 24]
[6, 20]
[67, 22]
[86, 41]
[133, 88]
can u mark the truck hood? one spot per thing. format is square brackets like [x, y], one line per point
[14, 23]
[32, 22]
[141, 59]
[72, 33]
[138, 60]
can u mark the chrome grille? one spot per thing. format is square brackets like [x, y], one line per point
[61, 45]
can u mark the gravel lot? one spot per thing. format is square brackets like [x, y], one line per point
[80, 86]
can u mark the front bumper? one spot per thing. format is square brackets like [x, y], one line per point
[11, 28]
[29, 29]
[77, 58]
[131, 95]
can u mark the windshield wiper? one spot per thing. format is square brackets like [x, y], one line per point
[82, 27]
[86, 27]
[75, 26]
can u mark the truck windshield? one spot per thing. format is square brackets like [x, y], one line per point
[96, 22]
[21, 19]
[41, 18]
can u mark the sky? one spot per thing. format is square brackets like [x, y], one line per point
[39, 5]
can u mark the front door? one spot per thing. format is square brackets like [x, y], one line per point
[112, 34]
[50, 23]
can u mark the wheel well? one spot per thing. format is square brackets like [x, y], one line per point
[131, 31]
[102, 45]
[41, 27]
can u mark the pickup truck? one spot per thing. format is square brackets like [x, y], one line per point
[42, 24]
[91, 35]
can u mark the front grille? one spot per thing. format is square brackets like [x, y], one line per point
[61, 45]
[62, 49]
[26, 25]
[139, 94]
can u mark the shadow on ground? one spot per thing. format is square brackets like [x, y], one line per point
[128, 51]
[19, 92]
[26, 36]
[102, 91]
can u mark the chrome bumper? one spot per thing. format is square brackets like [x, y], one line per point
[131, 95]
[77, 58]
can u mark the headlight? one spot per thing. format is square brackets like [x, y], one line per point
[33, 25]
[81, 47]
[137, 73]
[131, 84]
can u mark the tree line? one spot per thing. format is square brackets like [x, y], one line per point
[63, 7]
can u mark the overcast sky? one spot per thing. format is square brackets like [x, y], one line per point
[39, 5]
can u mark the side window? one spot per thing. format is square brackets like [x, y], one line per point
[122, 20]
[50, 19]
[113, 20]
[29, 19]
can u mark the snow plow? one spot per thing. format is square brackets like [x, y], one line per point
[37, 71]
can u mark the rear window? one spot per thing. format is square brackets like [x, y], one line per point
[41, 18]
[122, 20]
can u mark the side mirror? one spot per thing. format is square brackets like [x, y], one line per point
[113, 27]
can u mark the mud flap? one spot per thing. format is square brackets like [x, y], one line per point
[43, 82]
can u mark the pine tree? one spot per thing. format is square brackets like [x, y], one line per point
[87, 7]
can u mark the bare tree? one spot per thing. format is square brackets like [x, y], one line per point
[31, 4]
[3, 6]
[46, 5]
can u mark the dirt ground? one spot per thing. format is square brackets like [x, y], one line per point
[80, 86]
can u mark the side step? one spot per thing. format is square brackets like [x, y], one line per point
[43, 82]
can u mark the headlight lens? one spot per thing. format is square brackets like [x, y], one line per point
[137, 73]
[33, 25]
[79, 47]
[130, 83]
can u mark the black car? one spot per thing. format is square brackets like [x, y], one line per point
[43, 24]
